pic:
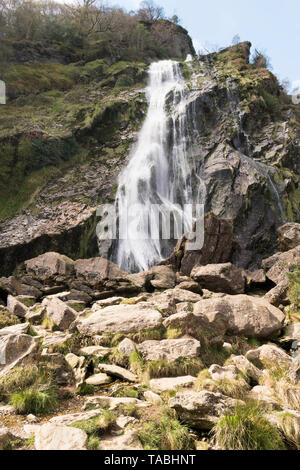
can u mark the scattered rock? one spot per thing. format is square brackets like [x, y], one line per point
[15, 349]
[247, 368]
[127, 441]
[113, 402]
[127, 347]
[78, 365]
[66, 420]
[97, 351]
[219, 373]
[280, 264]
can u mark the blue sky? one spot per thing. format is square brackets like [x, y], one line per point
[271, 25]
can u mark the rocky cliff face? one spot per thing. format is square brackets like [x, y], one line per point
[245, 148]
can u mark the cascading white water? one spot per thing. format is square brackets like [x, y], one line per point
[158, 172]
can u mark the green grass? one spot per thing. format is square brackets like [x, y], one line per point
[245, 428]
[21, 378]
[95, 427]
[235, 388]
[36, 400]
[6, 319]
[165, 432]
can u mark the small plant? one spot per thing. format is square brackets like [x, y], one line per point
[35, 400]
[245, 428]
[165, 432]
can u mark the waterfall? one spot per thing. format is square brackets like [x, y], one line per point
[158, 173]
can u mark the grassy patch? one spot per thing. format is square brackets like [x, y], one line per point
[245, 428]
[6, 319]
[95, 427]
[165, 432]
[235, 388]
[36, 400]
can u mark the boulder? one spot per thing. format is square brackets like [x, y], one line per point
[219, 373]
[201, 410]
[289, 236]
[57, 339]
[217, 248]
[15, 350]
[255, 277]
[246, 368]
[106, 303]
[225, 278]
[242, 315]
[95, 351]
[5, 437]
[98, 379]
[97, 270]
[78, 365]
[117, 371]
[127, 347]
[51, 436]
[268, 356]
[278, 295]
[263, 394]
[15, 307]
[58, 365]
[127, 441]
[171, 383]
[163, 277]
[279, 265]
[169, 350]
[292, 332]
[59, 313]
[19, 329]
[121, 319]
[191, 286]
[50, 266]
[153, 398]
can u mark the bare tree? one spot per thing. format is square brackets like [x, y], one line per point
[149, 11]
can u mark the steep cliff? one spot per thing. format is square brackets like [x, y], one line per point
[63, 146]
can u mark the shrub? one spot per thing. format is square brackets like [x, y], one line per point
[165, 432]
[36, 400]
[245, 428]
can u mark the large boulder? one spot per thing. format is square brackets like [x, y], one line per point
[201, 410]
[289, 236]
[242, 315]
[15, 307]
[97, 270]
[50, 266]
[279, 265]
[121, 319]
[268, 356]
[51, 436]
[224, 277]
[217, 248]
[59, 312]
[15, 349]
[169, 350]
[163, 277]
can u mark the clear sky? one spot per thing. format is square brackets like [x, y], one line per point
[271, 25]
